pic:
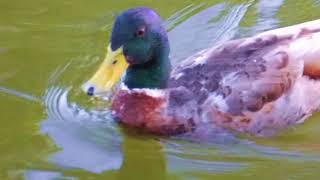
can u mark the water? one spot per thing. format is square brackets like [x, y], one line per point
[50, 130]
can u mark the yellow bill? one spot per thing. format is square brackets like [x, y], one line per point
[108, 74]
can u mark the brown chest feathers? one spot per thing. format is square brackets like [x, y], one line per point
[149, 113]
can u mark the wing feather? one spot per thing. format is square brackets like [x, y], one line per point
[247, 73]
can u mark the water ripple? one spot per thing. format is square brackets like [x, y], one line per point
[207, 28]
[19, 94]
[88, 139]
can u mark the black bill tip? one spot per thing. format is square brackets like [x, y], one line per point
[90, 91]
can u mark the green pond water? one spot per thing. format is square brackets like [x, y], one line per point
[51, 130]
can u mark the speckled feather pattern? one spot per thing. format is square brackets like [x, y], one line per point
[255, 85]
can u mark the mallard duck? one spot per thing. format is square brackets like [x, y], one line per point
[257, 85]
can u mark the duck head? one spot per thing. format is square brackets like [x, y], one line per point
[138, 51]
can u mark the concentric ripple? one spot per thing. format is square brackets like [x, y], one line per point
[89, 140]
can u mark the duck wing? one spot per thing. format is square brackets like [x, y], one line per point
[244, 75]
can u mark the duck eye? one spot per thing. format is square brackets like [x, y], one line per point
[141, 32]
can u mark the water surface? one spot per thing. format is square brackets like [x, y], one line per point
[50, 130]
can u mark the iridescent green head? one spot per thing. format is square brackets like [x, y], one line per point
[139, 48]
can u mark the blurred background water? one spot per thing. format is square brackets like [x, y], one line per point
[50, 130]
